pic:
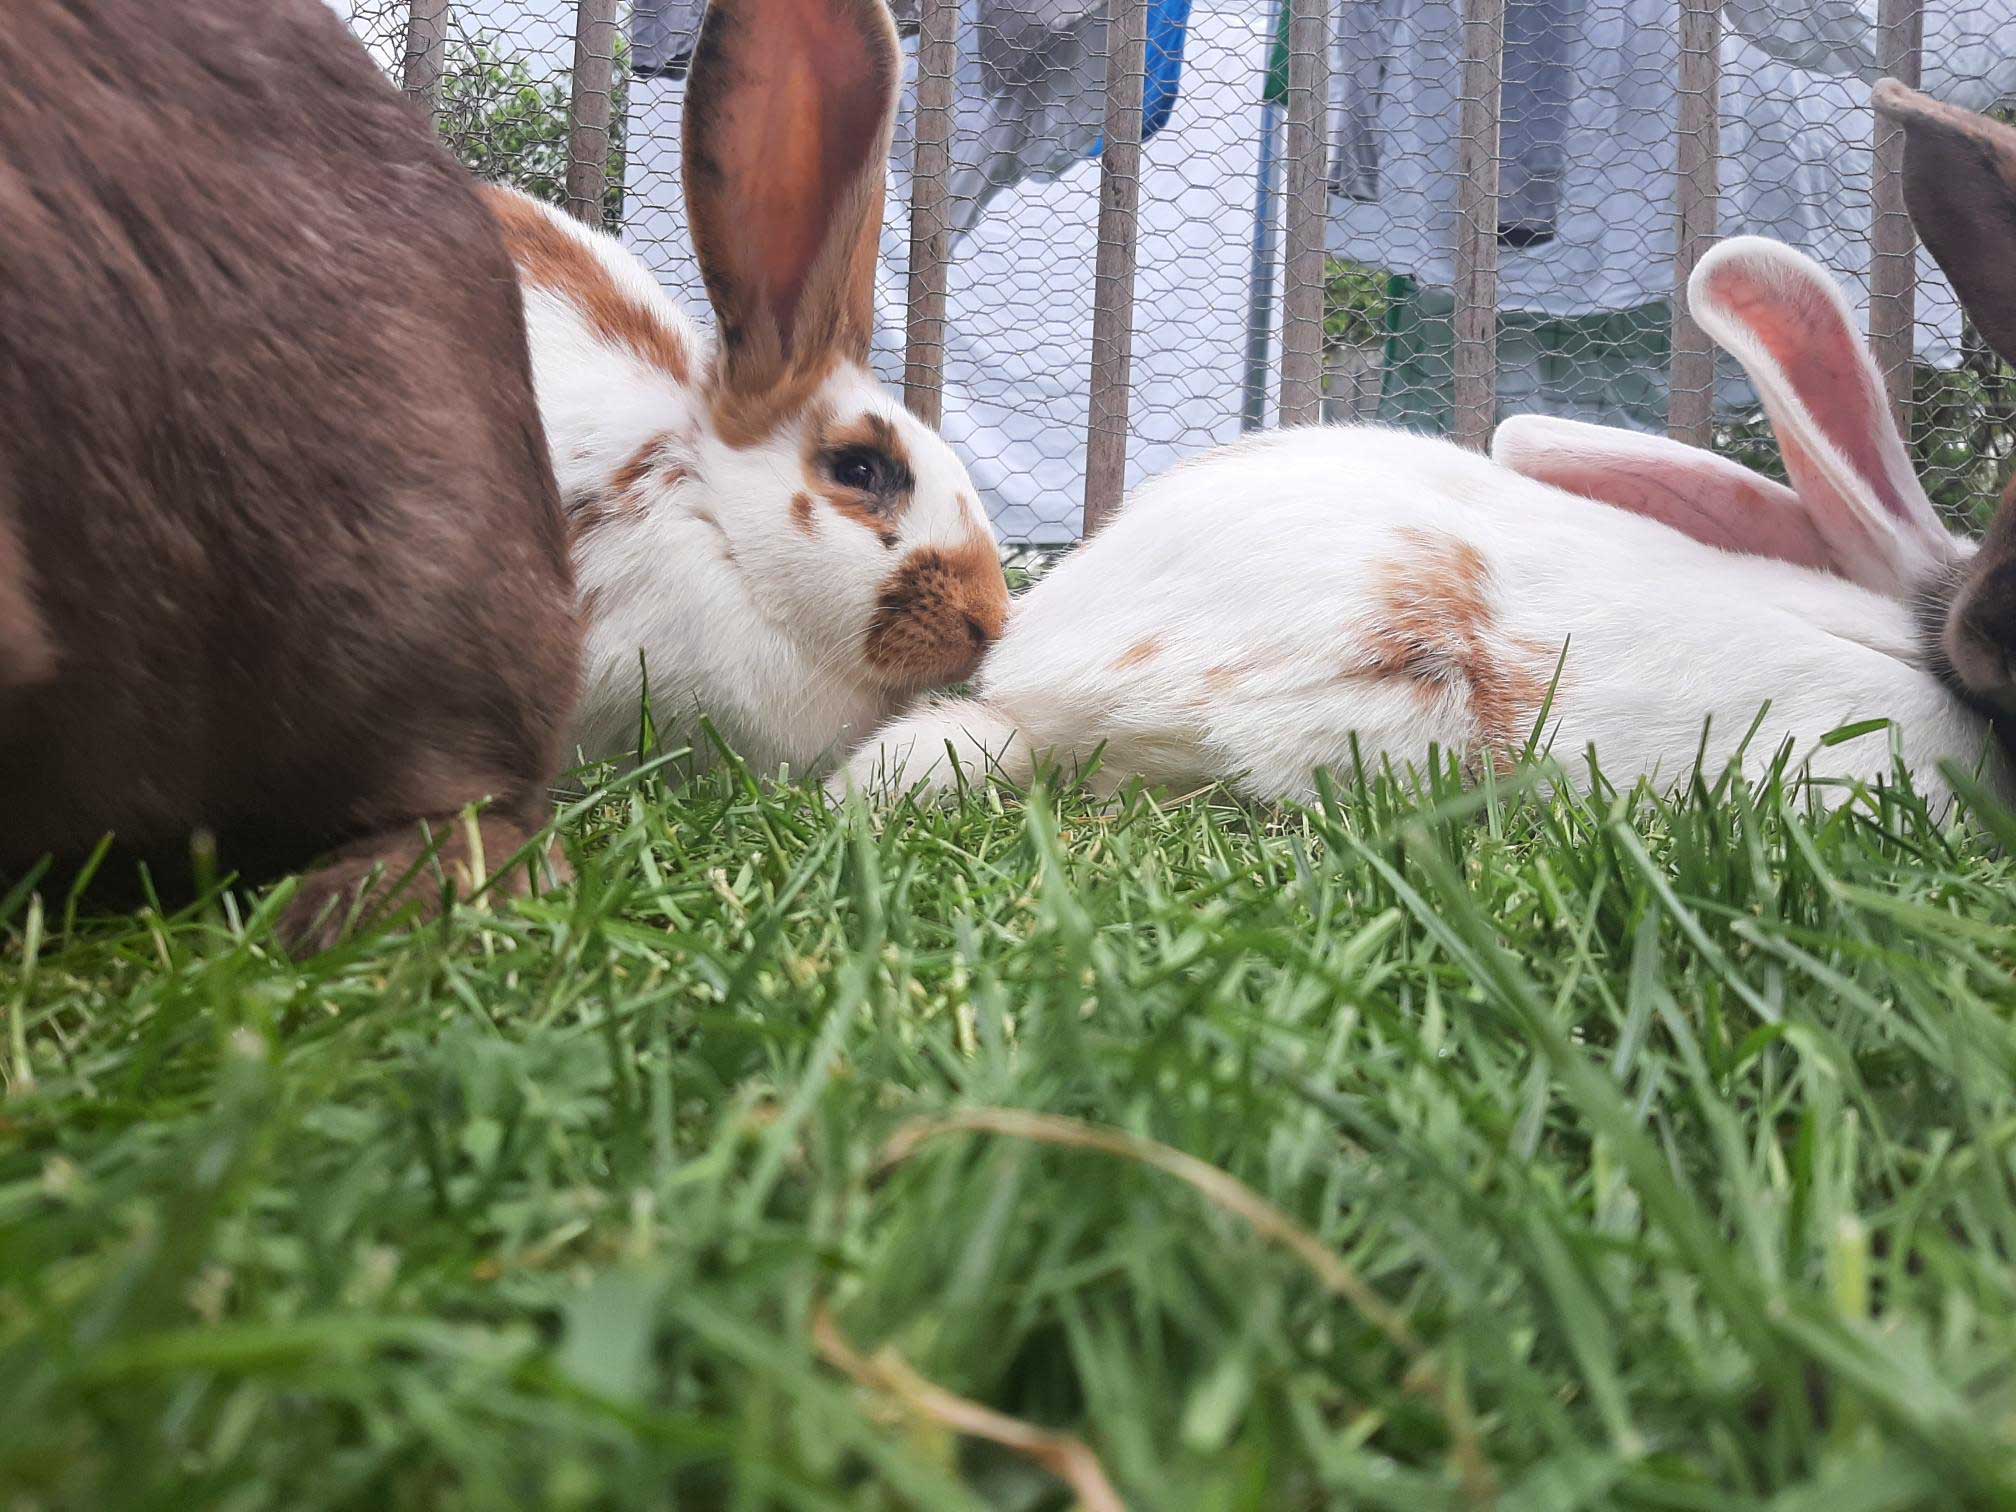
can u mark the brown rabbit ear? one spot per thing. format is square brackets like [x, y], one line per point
[1960, 186]
[788, 117]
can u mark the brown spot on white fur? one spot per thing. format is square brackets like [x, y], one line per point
[654, 465]
[937, 614]
[1436, 632]
[552, 257]
[1141, 651]
[801, 513]
[745, 420]
[1235, 673]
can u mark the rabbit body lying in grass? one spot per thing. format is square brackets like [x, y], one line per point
[1313, 598]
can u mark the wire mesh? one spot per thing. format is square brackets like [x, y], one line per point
[1515, 190]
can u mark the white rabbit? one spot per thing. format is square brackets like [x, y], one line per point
[1260, 612]
[757, 520]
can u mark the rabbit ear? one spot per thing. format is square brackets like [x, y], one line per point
[786, 136]
[1960, 186]
[1718, 502]
[1784, 318]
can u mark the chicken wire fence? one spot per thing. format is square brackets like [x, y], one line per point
[1118, 239]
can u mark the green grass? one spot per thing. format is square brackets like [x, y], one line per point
[1653, 1155]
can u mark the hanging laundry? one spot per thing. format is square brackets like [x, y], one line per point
[1537, 87]
[1031, 94]
[662, 34]
[1030, 89]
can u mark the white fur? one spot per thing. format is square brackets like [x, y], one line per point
[1229, 624]
[702, 583]
[1273, 549]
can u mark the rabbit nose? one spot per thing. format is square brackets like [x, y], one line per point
[937, 614]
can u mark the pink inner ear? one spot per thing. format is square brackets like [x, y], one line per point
[1802, 328]
[1717, 502]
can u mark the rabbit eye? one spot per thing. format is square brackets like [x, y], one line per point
[854, 472]
[863, 469]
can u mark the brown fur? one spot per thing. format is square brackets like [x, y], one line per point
[936, 616]
[825, 435]
[653, 462]
[271, 463]
[1437, 633]
[790, 106]
[801, 513]
[25, 653]
[549, 258]
[1960, 187]
[1138, 654]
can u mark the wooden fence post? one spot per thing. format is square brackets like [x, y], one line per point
[590, 109]
[1113, 277]
[1690, 382]
[1893, 261]
[1307, 155]
[426, 53]
[1476, 319]
[930, 202]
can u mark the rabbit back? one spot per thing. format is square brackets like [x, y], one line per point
[271, 475]
[1267, 609]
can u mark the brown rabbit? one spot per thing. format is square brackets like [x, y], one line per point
[1960, 187]
[281, 554]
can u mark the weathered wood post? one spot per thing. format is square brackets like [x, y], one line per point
[1308, 211]
[591, 108]
[1690, 382]
[930, 203]
[426, 53]
[1113, 275]
[1476, 259]
[1893, 260]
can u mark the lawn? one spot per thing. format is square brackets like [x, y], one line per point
[1428, 1148]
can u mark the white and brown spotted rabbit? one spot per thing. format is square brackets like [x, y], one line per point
[761, 532]
[1306, 598]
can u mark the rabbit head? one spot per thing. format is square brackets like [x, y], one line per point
[759, 522]
[1960, 187]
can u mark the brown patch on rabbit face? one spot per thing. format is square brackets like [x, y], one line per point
[743, 420]
[861, 470]
[552, 258]
[1436, 633]
[936, 615]
[1142, 651]
[801, 513]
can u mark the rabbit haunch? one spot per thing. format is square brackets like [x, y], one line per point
[281, 557]
[761, 533]
[1311, 598]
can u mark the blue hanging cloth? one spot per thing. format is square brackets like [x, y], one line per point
[1168, 28]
